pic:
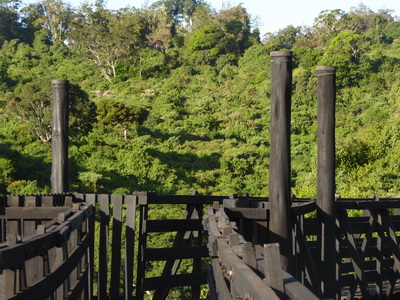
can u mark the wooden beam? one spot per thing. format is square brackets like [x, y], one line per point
[59, 139]
[326, 94]
[279, 169]
[170, 281]
[183, 252]
[32, 213]
[174, 225]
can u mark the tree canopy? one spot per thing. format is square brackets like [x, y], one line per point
[175, 96]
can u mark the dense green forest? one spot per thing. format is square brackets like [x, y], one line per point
[175, 96]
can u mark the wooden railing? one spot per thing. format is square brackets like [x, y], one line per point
[243, 270]
[47, 249]
[366, 256]
[368, 247]
[128, 220]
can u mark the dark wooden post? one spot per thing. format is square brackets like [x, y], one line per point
[279, 171]
[59, 139]
[326, 94]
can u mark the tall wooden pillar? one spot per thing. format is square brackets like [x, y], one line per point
[326, 94]
[279, 171]
[59, 139]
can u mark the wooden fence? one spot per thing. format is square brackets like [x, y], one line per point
[117, 218]
[47, 248]
[243, 270]
[366, 256]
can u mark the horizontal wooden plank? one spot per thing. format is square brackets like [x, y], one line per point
[367, 203]
[310, 226]
[183, 199]
[11, 257]
[369, 265]
[31, 213]
[44, 288]
[73, 222]
[361, 225]
[295, 290]
[174, 225]
[245, 280]
[371, 277]
[247, 213]
[151, 254]
[372, 250]
[221, 289]
[303, 208]
[167, 282]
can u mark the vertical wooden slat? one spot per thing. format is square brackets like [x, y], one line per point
[13, 226]
[144, 209]
[67, 283]
[91, 233]
[10, 287]
[273, 267]
[197, 239]
[2, 285]
[47, 201]
[338, 246]
[67, 201]
[56, 261]
[379, 258]
[80, 196]
[91, 199]
[306, 257]
[249, 255]
[72, 245]
[116, 201]
[358, 263]
[33, 267]
[394, 245]
[13, 200]
[51, 261]
[130, 244]
[103, 247]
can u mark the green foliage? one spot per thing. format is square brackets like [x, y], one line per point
[26, 187]
[205, 45]
[31, 104]
[6, 172]
[175, 97]
[10, 25]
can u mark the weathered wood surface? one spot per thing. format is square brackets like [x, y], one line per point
[279, 169]
[187, 245]
[239, 271]
[48, 256]
[59, 139]
[368, 261]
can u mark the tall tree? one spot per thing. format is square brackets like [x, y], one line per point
[51, 16]
[160, 36]
[31, 103]
[178, 11]
[10, 25]
[108, 36]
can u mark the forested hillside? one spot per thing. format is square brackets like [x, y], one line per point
[175, 96]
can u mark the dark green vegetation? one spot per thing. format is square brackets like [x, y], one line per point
[175, 97]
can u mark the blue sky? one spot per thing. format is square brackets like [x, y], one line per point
[274, 15]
